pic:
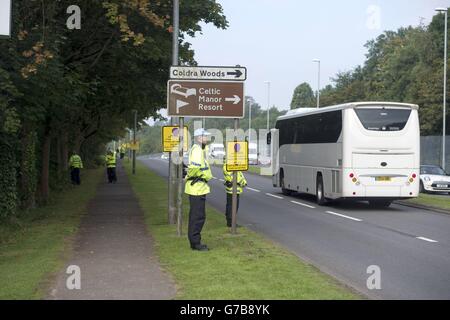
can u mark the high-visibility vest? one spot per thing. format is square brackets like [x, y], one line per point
[228, 177]
[198, 168]
[110, 160]
[75, 162]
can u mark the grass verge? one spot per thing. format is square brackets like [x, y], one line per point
[32, 249]
[432, 200]
[244, 266]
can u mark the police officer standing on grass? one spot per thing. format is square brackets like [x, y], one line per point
[75, 165]
[198, 175]
[241, 183]
[110, 160]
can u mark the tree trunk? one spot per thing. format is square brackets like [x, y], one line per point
[65, 152]
[59, 156]
[28, 177]
[44, 183]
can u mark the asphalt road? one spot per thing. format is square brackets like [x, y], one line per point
[410, 246]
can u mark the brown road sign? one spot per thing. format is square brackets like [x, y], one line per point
[218, 99]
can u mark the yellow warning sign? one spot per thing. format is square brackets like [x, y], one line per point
[171, 138]
[237, 156]
[133, 146]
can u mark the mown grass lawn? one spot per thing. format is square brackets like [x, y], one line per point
[32, 248]
[243, 266]
[432, 200]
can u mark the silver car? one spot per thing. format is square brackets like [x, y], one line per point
[434, 179]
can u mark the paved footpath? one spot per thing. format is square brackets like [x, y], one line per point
[114, 251]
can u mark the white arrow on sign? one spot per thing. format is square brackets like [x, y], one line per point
[235, 99]
[181, 104]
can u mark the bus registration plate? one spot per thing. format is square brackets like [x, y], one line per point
[382, 178]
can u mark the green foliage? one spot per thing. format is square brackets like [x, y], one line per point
[83, 85]
[303, 97]
[28, 171]
[8, 195]
[403, 66]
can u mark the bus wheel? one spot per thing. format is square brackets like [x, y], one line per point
[321, 201]
[380, 203]
[283, 189]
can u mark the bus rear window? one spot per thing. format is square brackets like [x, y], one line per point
[383, 119]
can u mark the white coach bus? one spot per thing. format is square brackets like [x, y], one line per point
[363, 151]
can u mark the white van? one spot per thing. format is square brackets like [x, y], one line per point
[252, 153]
[216, 151]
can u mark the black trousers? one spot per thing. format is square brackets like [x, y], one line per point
[197, 217]
[75, 176]
[229, 208]
[111, 172]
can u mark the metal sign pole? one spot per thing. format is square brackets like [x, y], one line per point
[180, 178]
[172, 168]
[134, 142]
[234, 196]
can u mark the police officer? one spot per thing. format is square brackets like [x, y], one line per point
[75, 165]
[198, 175]
[122, 151]
[241, 183]
[111, 166]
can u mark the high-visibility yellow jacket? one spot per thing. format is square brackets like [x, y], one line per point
[75, 162]
[198, 168]
[228, 177]
[110, 160]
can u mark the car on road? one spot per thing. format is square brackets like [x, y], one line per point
[252, 153]
[165, 156]
[434, 179]
[216, 152]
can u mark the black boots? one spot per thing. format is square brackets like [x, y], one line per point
[199, 247]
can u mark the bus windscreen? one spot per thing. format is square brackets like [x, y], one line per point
[380, 119]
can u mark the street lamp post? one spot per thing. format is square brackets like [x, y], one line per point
[318, 81]
[249, 120]
[444, 10]
[268, 101]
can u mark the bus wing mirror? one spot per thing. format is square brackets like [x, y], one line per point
[269, 138]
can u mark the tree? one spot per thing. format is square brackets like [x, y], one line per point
[303, 96]
[67, 89]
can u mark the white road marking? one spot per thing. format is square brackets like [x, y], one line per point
[222, 180]
[426, 239]
[272, 195]
[343, 216]
[303, 204]
[253, 189]
[214, 178]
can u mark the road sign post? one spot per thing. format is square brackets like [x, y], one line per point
[205, 92]
[208, 99]
[234, 198]
[180, 180]
[172, 180]
[237, 160]
[134, 142]
[171, 138]
[208, 73]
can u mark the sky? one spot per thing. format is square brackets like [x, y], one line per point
[278, 39]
